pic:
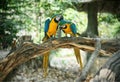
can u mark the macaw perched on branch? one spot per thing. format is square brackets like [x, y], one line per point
[70, 28]
[50, 30]
[51, 26]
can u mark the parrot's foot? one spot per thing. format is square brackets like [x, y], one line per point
[67, 38]
[52, 38]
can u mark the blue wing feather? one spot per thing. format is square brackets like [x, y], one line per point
[46, 27]
[73, 28]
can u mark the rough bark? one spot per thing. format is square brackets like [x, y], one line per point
[110, 71]
[28, 51]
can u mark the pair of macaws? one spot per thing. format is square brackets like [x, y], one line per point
[50, 29]
[56, 21]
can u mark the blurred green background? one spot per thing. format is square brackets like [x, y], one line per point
[27, 17]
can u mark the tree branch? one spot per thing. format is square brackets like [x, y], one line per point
[86, 69]
[29, 50]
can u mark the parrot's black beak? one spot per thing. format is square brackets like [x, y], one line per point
[60, 27]
[61, 17]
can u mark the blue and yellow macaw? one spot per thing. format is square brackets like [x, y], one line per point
[70, 28]
[50, 30]
[51, 26]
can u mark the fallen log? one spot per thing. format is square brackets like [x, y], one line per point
[110, 71]
[29, 50]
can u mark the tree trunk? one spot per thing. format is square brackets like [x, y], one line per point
[92, 27]
[91, 31]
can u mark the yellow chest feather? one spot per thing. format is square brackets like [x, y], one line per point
[68, 29]
[52, 28]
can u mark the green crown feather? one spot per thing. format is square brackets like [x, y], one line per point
[62, 22]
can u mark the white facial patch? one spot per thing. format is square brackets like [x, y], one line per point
[58, 18]
[63, 26]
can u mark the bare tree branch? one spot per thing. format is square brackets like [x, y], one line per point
[88, 66]
[29, 50]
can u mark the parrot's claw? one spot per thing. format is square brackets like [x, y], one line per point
[65, 38]
[52, 38]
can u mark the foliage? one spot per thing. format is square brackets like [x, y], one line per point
[8, 28]
[108, 25]
[8, 31]
[16, 15]
[27, 17]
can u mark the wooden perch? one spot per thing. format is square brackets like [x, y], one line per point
[29, 50]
